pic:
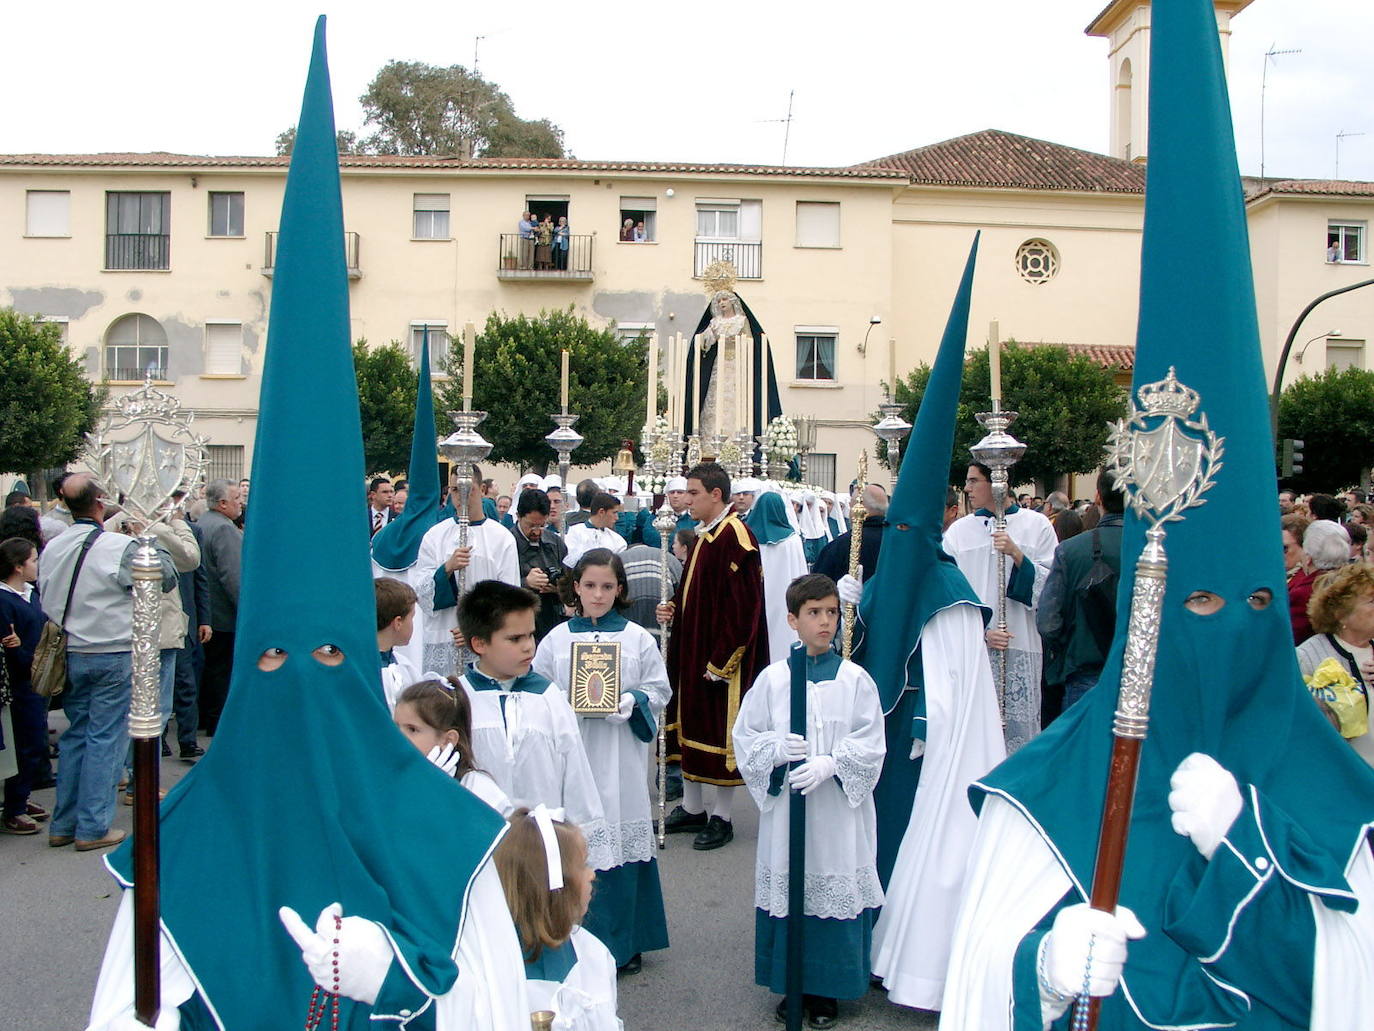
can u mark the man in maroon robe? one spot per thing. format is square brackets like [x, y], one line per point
[719, 644]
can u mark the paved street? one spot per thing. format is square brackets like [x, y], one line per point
[58, 905]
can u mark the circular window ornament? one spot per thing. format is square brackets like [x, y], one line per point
[1037, 261]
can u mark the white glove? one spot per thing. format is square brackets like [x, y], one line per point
[1206, 801]
[168, 1019]
[1064, 959]
[811, 774]
[851, 588]
[790, 749]
[624, 711]
[446, 757]
[364, 951]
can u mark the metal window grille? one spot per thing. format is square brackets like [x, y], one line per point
[225, 462]
[138, 230]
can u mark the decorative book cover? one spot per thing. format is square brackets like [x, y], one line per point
[595, 677]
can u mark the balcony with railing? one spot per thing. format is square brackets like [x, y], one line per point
[352, 246]
[523, 258]
[746, 257]
[138, 251]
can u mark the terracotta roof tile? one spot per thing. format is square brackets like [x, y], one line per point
[1109, 356]
[1256, 188]
[166, 160]
[993, 158]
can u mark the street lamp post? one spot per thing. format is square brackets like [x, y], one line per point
[1288, 346]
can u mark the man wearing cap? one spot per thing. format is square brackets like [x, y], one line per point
[746, 490]
[677, 501]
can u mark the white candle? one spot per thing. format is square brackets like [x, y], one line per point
[651, 404]
[748, 398]
[995, 362]
[891, 368]
[469, 343]
[563, 383]
[698, 395]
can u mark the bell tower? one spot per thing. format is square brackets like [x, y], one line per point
[1125, 24]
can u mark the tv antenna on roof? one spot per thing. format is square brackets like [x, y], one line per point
[1342, 134]
[476, 42]
[787, 123]
[1269, 55]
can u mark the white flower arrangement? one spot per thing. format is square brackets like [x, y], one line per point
[780, 441]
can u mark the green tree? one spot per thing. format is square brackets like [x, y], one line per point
[516, 362]
[418, 108]
[1066, 403]
[1333, 415]
[386, 401]
[47, 406]
[347, 142]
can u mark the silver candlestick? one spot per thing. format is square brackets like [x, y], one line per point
[464, 448]
[892, 428]
[565, 440]
[999, 451]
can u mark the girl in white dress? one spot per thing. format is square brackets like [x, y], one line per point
[547, 879]
[436, 718]
[627, 912]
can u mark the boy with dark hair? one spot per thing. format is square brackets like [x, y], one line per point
[524, 731]
[395, 626]
[834, 761]
[598, 531]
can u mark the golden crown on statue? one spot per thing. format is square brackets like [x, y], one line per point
[1168, 397]
[719, 275]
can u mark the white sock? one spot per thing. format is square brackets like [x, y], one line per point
[691, 797]
[722, 801]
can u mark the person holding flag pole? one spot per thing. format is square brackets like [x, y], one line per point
[1166, 855]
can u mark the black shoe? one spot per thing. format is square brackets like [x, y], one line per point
[40, 785]
[780, 1014]
[822, 1013]
[632, 966]
[189, 753]
[680, 821]
[716, 833]
[166, 750]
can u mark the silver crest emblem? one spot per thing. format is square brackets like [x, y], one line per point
[1164, 457]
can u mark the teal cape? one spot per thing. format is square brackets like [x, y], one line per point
[1225, 684]
[914, 580]
[396, 545]
[768, 518]
[284, 809]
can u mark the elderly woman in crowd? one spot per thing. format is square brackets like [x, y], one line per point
[1325, 546]
[1342, 614]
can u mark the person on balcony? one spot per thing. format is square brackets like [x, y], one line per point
[526, 227]
[561, 233]
[543, 244]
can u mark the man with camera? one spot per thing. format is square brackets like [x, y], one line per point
[540, 552]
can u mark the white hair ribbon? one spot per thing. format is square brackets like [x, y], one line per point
[543, 818]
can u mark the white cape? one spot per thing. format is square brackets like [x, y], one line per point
[585, 1000]
[783, 562]
[1014, 879]
[911, 941]
[490, 992]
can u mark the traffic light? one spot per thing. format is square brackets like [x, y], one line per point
[1290, 457]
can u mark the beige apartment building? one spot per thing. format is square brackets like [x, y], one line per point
[162, 263]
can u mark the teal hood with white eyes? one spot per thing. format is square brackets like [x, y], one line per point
[1225, 684]
[308, 795]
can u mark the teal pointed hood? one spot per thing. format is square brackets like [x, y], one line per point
[308, 794]
[768, 518]
[1225, 684]
[395, 545]
[915, 578]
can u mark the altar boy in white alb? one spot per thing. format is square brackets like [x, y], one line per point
[490, 555]
[839, 759]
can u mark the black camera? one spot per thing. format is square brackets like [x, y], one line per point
[554, 573]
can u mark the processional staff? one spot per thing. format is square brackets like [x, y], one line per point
[857, 514]
[999, 451]
[1159, 492]
[144, 446]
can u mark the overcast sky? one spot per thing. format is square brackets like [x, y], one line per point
[653, 81]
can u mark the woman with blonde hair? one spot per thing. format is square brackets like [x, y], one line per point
[1342, 615]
